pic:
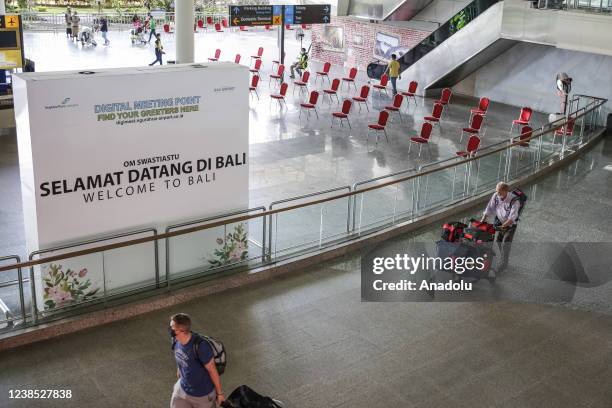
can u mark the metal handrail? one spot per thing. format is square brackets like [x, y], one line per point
[17, 266]
[269, 212]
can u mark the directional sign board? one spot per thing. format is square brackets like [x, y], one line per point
[11, 39]
[309, 14]
[250, 15]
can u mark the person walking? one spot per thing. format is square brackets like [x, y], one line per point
[300, 64]
[68, 18]
[505, 207]
[75, 25]
[159, 50]
[393, 71]
[198, 385]
[151, 27]
[104, 29]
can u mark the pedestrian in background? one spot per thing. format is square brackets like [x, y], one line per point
[151, 27]
[393, 70]
[68, 18]
[75, 25]
[159, 50]
[104, 29]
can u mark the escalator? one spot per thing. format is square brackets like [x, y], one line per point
[457, 48]
[389, 10]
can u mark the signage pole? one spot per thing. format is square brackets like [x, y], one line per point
[282, 36]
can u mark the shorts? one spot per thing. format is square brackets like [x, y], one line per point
[180, 399]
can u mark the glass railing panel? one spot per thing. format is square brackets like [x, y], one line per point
[14, 295]
[440, 188]
[375, 208]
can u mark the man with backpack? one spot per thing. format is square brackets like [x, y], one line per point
[300, 64]
[199, 385]
[506, 206]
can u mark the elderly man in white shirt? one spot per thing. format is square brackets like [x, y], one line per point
[506, 212]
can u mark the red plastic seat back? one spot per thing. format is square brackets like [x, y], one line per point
[384, 80]
[237, 59]
[305, 76]
[526, 114]
[472, 144]
[437, 110]
[267, 26]
[255, 81]
[413, 86]
[283, 88]
[200, 24]
[166, 28]
[287, 27]
[314, 97]
[281, 70]
[426, 130]
[476, 122]
[258, 64]
[217, 26]
[326, 67]
[483, 105]
[352, 73]
[224, 23]
[209, 20]
[397, 101]
[446, 95]
[383, 117]
[346, 106]
[335, 84]
[525, 136]
[217, 53]
[569, 128]
[260, 51]
[365, 91]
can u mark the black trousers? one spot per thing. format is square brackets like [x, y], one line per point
[504, 244]
[158, 58]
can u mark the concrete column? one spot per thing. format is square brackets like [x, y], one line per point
[183, 30]
[2, 8]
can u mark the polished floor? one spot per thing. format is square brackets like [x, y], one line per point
[307, 338]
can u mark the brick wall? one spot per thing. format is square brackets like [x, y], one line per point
[359, 55]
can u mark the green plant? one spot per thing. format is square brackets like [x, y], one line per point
[41, 9]
[233, 249]
[62, 288]
[163, 4]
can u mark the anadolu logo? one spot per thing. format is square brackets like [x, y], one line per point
[63, 104]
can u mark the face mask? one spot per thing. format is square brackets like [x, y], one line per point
[171, 332]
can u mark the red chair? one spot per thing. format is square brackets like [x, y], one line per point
[346, 109]
[224, 23]
[363, 97]
[471, 147]
[267, 27]
[436, 113]
[218, 28]
[277, 62]
[423, 138]
[482, 108]
[382, 86]
[288, 27]
[237, 59]
[256, 68]
[253, 87]
[324, 73]
[209, 20]
[311, 104]
[565, 130]
[524, 139]
[280, 97]
[303, 83]
[383, 116]
[243, 28]
[397, 104]
[167, 28]
[474, 128]
[524, 118]
[260, 51]
[305, 27]
[333, 90]
[200, 24]
[350, 79]
[278, 77]
[217, 55]
[445, 98]
[412, 88]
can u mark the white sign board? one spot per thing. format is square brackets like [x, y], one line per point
[120, 149]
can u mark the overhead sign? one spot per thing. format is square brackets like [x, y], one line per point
[308, 14]
[250, 15]
[11, 40]
[272, 15]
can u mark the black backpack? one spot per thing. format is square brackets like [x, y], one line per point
[216, 346]
[517, 194]
[245, 397]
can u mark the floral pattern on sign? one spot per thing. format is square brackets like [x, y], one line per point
[233, 249]
[64, 288]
